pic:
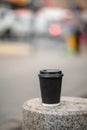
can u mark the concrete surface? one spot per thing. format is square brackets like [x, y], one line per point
[69, 114]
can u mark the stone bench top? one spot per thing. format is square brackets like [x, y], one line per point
[70, 114]
[67, 106]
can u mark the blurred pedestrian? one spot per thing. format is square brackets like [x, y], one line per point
[74, 26]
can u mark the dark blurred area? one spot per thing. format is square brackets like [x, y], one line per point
[34, 35]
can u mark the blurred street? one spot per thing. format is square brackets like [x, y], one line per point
[36, 35]
[19, 72]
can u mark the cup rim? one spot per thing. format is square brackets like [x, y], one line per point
[50, 73]
[50, 76]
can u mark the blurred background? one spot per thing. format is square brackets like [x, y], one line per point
[35, 35]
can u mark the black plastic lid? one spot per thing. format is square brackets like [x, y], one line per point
[51, 73]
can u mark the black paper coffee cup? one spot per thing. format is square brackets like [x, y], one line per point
[50, 86]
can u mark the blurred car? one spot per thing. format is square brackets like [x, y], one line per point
[46, 22]
[22, 23]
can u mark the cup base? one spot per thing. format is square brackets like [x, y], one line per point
[50, 105]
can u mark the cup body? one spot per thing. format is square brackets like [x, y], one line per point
[50, 86]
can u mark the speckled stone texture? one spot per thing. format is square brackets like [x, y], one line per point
[70, 114]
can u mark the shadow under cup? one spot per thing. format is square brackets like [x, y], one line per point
[50, 86]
